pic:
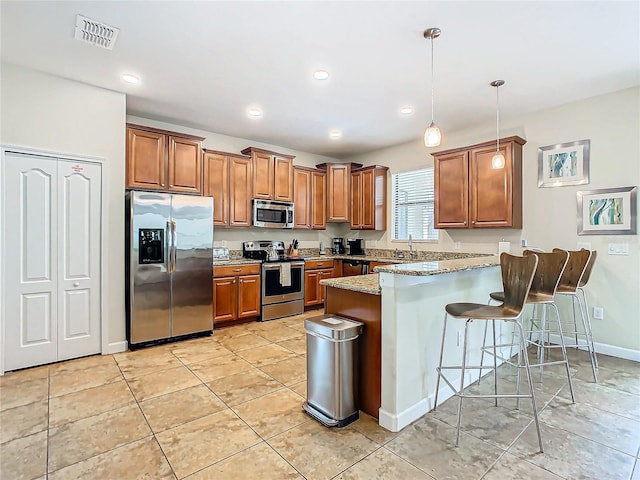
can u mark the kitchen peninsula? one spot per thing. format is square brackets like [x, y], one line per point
[402, 307]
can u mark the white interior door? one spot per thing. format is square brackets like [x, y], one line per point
[52, 259]
[31, 268]
[79, 203]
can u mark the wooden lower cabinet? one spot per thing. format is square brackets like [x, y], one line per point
[315, 271]
[236, 294]
[365, 308]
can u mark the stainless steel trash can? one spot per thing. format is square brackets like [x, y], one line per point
[332, 363]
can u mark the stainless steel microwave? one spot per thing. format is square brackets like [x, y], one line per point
[272, 214]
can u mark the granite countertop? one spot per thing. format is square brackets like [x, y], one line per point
[358, 283]
[235, 261]
[439, 267]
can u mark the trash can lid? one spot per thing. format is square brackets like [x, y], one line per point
[333, 327]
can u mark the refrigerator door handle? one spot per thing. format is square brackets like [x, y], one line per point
[169, 247]
[174, 243]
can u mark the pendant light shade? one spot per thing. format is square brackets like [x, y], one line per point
[432, 134]
[498, 160]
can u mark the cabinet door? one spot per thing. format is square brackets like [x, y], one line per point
[490, 189]
[262, 175]
[318, 200]
[248, 296]
[322, 275]
[338, 193]
[185, 165]
[216, 184]
[311, 294]
[367, 199]
[283, 179]
[239, 192]
[225, 299]
[302, 198]
[451, 190]
[146, 159]
[356, 201]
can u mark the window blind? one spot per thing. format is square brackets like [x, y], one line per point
[412, 197]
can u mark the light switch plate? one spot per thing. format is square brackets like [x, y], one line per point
[618, 249]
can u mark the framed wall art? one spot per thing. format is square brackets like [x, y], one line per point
[608, 211]
[564, 164]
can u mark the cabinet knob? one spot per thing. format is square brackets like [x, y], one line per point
[237, 269]
[473, 221]
[465, 222]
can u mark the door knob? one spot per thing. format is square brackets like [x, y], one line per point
[76, 284]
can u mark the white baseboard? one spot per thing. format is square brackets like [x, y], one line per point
[395, 423]
[116, 347]
[603, 348]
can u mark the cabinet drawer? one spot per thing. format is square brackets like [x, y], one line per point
[315, 264]
[233, 270]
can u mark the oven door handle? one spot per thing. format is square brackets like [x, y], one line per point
[276, 266]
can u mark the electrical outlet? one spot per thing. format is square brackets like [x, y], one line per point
[598, 313]
[523, 242]
[457, 245]
[459, 338]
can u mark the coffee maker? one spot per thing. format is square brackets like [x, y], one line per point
[338, 246]
[355, 246]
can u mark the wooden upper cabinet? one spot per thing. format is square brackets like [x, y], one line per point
[227, 177]
[216, 185]
[338, 191]
[272, 174]
[491, 195]
[451, 175]
[469, 193]
[309, 188]
[302, 198]
[283, 179]
[369, 198]
[239, 191]
[185, 165]
[146, 159]
[163, 160]
[318, 200]
[263, 174]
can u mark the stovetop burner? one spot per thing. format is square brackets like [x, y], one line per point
[267, 251]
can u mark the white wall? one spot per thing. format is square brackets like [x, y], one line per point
[612, 123]
[49, 113]
[233, 237]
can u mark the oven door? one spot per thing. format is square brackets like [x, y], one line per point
[272, 289]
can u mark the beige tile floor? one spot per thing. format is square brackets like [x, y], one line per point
[229, 407]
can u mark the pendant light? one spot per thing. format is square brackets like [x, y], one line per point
[497, 161]
[432, 134]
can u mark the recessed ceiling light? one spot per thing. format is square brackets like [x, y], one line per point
[320, 74]
[254, 112]
[406, 110]
[335, 134]
[127, 77]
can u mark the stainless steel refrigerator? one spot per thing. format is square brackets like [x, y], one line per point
[169, 245]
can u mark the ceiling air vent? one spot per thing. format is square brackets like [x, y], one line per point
[96, 33]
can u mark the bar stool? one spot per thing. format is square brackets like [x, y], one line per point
[574, 278]
[542, 294]
[517, 275]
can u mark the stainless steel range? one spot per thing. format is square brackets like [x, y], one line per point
[282, 278]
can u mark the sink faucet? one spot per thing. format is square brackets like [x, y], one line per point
[412, 254]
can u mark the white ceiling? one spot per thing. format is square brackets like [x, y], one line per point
[202, 64]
